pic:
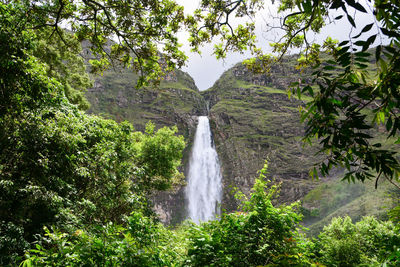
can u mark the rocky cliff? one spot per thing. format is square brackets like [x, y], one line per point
[252, 120]
[176, 101]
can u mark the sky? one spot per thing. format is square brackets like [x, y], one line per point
[206, 69]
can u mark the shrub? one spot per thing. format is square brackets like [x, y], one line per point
[369, 241]
[262, 234]
[143, 242]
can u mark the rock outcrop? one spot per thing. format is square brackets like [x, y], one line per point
[253, 120]
[176, 102]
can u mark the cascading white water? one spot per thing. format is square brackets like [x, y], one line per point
[204, 189]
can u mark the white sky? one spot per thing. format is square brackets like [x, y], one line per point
[206, 69]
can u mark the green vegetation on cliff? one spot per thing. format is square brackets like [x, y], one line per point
[115, 95]
[337, 198]
[253, 119]
[175, 102]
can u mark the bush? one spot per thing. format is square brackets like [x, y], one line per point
[339, 245]
[369, 241]
[143, 242]
[260, 235]
[12, 242]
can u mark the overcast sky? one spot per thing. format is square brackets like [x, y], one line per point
[205, 69]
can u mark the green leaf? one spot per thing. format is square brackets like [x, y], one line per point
[391, 49]
[307, 6]
[309, 90]
[365, 29]
[378, 53]
[329, 67]
[336, 4]
[389, 124]
[371, 39]
[362, 66]
[361, 59]
[360, 43]
[356, 5]
[383, 65]
[351, 20]
[390, 33]
[381, 116]
[362, 54]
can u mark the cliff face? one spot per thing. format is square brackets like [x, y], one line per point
[177, 101]
[253, 120]
[251, 117]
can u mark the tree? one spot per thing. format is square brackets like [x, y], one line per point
[141, 31]
[348, 101]
[64, 63]
[59, 166]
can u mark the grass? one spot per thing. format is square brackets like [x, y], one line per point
[339, 198]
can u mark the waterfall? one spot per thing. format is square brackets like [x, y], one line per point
[204, 189]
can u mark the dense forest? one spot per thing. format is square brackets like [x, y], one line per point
[76, 188]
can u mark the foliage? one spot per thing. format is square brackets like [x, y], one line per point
[260, 235]
[352, 101]
[212, 18]
[12, 242]
[369, 241]
[141, 30]
[338, 115]
[59, 165]
[141, 243]
[73, 169]
[23, 83]
[64, 63]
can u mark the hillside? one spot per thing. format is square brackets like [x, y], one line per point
[252, 120]
[176, 101]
